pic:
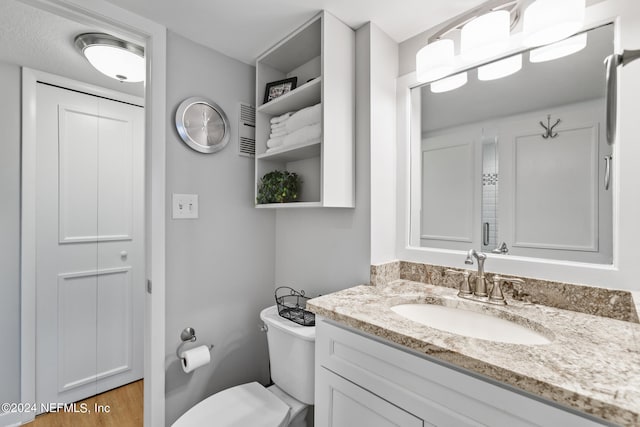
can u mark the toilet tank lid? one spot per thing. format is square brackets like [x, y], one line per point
[247, 404]
[271, 317]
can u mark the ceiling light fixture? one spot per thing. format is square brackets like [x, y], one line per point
[499, 69]
[450, 83]
[558, 50]
[549, 21]
[113, 57]
[485, 34]
[481, 39]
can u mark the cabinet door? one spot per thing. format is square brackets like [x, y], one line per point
[340, 403]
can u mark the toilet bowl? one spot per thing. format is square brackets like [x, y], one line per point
[247, 405]
[283, 404]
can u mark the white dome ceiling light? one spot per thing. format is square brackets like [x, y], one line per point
[113, 57]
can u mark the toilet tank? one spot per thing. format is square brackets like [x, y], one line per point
[291, 354]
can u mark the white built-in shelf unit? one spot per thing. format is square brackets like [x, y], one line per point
[321, 54]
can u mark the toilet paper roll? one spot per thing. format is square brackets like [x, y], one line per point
[195, 358]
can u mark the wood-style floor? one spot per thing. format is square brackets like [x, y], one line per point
[125, 410]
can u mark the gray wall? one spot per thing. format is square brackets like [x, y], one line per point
[323, 250]
[220, 267]
[10, 233]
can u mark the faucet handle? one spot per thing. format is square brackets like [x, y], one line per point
[510, 279]
[465, 288]
[495, 295]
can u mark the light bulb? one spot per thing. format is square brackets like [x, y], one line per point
[548, 21]
[485, 36]
[434, 61]
[450, 83]
[499, 69]
[558, 50]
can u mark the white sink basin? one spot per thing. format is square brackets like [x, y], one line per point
[470, 324]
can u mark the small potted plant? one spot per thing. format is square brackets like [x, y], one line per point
[278, 187]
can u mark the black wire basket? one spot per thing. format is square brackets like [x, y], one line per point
[291, 305]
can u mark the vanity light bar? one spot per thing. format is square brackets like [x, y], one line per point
[485, 33]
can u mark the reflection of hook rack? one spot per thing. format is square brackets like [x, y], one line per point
[549, 128]
[188, 335]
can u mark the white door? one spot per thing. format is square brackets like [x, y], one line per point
[450, 183]
[553, 199]
[89, 254]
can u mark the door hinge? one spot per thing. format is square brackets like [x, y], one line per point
[148, 286]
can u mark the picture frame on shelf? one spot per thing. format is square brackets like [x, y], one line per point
[278, 88]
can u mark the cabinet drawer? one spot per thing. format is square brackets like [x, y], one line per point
[349, 405]
[439, 394]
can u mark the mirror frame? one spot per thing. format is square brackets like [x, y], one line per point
[624, 273]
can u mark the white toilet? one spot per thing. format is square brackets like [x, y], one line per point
[291, 353]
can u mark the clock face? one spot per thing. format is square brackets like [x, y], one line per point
[202, 125]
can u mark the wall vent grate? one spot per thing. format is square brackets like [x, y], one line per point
[247, 130]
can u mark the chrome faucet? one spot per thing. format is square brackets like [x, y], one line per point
[480, 289]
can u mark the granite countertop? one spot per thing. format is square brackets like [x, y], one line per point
[592, 363]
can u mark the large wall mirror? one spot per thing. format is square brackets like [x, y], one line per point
[518, 165]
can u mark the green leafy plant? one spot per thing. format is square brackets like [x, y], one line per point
[278, 187]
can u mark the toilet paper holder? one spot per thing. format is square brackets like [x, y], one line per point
[188, 335]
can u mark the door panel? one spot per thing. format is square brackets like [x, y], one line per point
[556, 205]
[114, 322]
[78, 144]
[553, 202]
[76, 330]
[449, 191]
[115, 184]
[90, 234]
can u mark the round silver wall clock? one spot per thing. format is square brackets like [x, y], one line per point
[202, 125]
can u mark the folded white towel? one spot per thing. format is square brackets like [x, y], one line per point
[275, 142]
[281, 118]
[279, 126]
[278, 133]
[305, 134]
[283, 147]
[305, 117]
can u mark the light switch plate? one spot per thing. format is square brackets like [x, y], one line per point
[185, 206]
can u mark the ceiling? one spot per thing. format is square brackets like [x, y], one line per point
[243, 29]
[40, 40]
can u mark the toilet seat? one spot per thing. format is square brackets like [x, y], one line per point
[244, 405]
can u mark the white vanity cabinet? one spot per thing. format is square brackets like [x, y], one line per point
[365, 381]
[321, 55]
